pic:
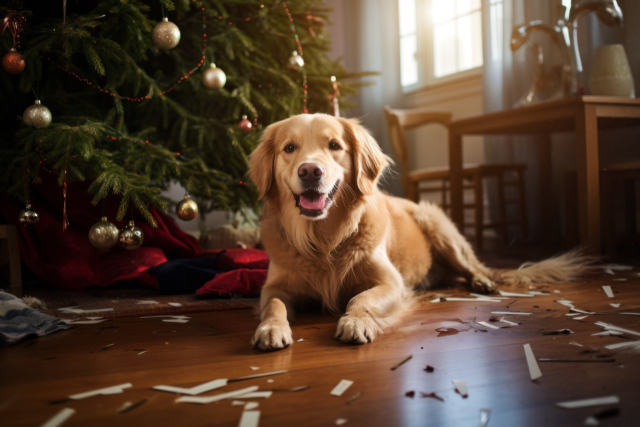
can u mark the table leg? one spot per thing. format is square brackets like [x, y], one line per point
[588, 177]
[455, 174]
[546, 187]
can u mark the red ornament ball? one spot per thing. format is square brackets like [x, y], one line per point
[245, 124]
[13, 63]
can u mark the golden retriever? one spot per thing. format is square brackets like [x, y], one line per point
[333, 237]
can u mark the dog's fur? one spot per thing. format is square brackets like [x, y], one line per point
[365, 251]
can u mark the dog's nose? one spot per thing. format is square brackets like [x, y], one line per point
[310, 172]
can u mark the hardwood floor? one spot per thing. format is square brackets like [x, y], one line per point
[216, 345]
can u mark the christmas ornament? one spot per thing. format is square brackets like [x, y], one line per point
[131, 237]
[103, 234]
[187, 209]
[29, 217]
[12, 62]
[214, 78]
[296, 61]
[37, 115]
[245, 124]
[166, 35]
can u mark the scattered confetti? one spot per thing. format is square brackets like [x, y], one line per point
[341, 387]
[534, 369]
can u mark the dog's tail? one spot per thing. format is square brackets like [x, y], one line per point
[566, 267]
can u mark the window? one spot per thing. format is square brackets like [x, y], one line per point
[439, 40]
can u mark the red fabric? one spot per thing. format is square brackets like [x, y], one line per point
[243, 258]
[243, 282]
[67, 260]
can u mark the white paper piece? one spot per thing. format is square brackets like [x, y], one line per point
[147, 302]
[620, 279]
[607, 290]
[68, 308]
[503, 320]
[301, 339]
[488, 325]
[256, 395]
[193, 391]
[538, 293]
[565, 302]
[249, 419]
[573, 314]
[341, 387]
[217, 397]
[572, 404]
[580, 318]
[608, 333]
[534, 369]
[609, 271]
[591, 421]
[614, 305]
[87, 322]
[486, 296]
[616, 328]
[174, 304]
[238, 403]
[341, 421]
[514, 294]
[621, 344]
[582, 311]
[575, 343]
[60, 417]
[143, 352]
[556, 291]
[80, 311]
[254, 368]
[515, 313]
[631, 314]
[176, 320]
[251, 405]
[116, 389]
[468, 299]
[171, 316]
[484, 417]
[266, 374]
[270, 381]
[461, 385]
[613, 267]
[94, 317]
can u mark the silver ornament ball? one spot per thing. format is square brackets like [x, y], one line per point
[131, 237]
[214, 77]
[166, 35]
[29, 217]
[296, 61]
[37, 115]
[103, 235]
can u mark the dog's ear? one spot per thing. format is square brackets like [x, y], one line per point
[261, 161]
[369, 161]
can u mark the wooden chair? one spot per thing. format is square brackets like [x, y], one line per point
[400, 120]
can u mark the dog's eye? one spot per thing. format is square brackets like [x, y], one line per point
[334, 145]
[289, 148]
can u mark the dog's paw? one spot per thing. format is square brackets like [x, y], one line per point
[272, 335]
[483, 284]
[357, 330]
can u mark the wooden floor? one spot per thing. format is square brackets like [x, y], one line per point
[216, 345]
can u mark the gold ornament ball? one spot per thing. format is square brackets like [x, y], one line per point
[166, 35]
[296, 61]
[12, 62]
[103, 234]
[37, 115]
[214, 77]
[245, 124]
[29, 217]
[187, 209]
[131, 237]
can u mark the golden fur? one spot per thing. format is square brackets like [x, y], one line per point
[367, 252]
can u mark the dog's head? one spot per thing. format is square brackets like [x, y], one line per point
[305, 160]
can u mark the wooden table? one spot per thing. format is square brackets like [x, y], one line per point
[584, 115]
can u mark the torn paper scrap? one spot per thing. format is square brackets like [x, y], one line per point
[147, 302]
[87, 322]
[80, 311]
[250, 377]
[256, 395]
[616, 328]
[208, 399]
[591, 421]
[341, 421]
[341, 387]
[620, 279]
[249, 419]
[174, 304]
[534, 369]
[580, 318]
[631, 314]
[488, 325]
[484, 417]
[171, 316]
[238, 403]
[608, 333]
[607, 290]
[575, 343]
[60, 417]
[503, 320]
[514, 294]
[176, 320]
[538, 293]
[622, 344]
[573, 314]
[461, 387]
[193, 391]
[270, 380]
[466, 299]
[486, 296]
[572, 404]
[143, 352]
[556, 291]
[254, 368]
[94, 318]
[515, 313]
[116, 389]
[614, 305]
[130, 407]
[251, 405]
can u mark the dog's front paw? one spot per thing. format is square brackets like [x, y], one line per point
[357, 330]
[272, 335]
[483, 284]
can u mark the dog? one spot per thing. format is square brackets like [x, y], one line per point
[334, 238]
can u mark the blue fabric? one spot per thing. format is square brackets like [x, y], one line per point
[184, 276]
[18, 321]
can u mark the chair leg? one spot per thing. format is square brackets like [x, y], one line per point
[502, 208]
[522, 205]
[479, 210]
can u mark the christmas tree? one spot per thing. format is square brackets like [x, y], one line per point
[130, 113]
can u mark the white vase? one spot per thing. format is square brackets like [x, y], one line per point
[610, 72]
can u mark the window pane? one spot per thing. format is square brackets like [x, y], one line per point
[466, 6]
[495, 14]
[408, 63]
[407, 14]
[469, 41]
[443, 10]
[444, 43]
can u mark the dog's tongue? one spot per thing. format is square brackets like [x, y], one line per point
[312, 201]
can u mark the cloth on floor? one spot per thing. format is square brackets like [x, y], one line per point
[233, 284]
[181, 276]
[18, 321]
[66, 259]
